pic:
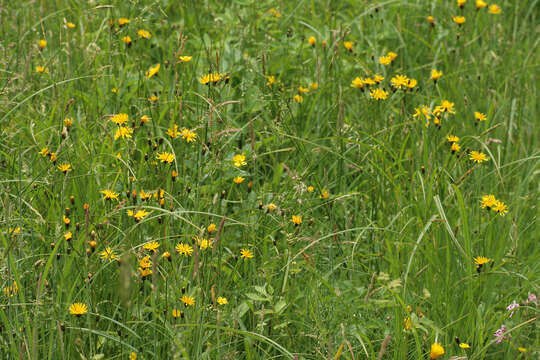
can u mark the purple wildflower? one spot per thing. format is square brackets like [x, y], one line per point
[511, 307]
[500, 334]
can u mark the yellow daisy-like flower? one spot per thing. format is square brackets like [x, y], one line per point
[477, 157]
[78, 309]
[144, 34]
[480, 4]
[368, 81]
[448, 106]
[65, 168]
[310, 188]
[185, 58]
[151, 246]
[204, 243]
[184, 249]
[385, 60]
[211, 228]
[144, 119]
[500, 207]
[44, 151]
[461, 3]
[246, 254]
[271, 80]
[378, 94]
[145, 272]
[176, 313]
[188, 300]
[436, 351]
[222, 300]
[153, 98]
[145, 262]
[436, 75]
[123, 132]
[452, 138]
[138, 215]
[123, 21]
[431, 20]
[189, 135]
[68, 236]
[120, 119]
[411, 83]
[173, 132]
[42, 69]
[166, 157]
[314, 85]
[464, 346]
[481, 260]
[298, 98]
[239, 160]
[455, 147]
[238, 180]
[132, 356]
[153, 70]
[348, 45]
[399, 81]
[303, 90]
[460, 20]
[488, 201]
[271, 207]
[378, 78]
[480, 116]
[109, 194]
[42, 44]
[296, 219]
[357, 83]
[495, 9]
[127, 40]
[66, 220]
[392, 55]
[70, 25]
[109, 254]
[311, 40]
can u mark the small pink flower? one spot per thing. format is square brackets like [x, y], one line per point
[532, 299]
[500, 334]
[511, 307]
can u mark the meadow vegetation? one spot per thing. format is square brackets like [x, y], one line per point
[311, 179]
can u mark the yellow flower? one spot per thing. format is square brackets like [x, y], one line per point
[460, 20]
[238, 180]
[348, 45]
[271, 207]
[204, 243]
[127, 40]
[477, 157]
[144, 34]
[222, 300]
[455, 147]
[78, 309]
[495, 9]
[153, 70]
[185, 58]
[65, 168]
[488, 201]
[436, 75]
[166, 255]
[311, 40]
[153, 98]
[44, 151]
[189, 135]
[138, 215]
[436, 351]
[211, 228]
[151, 246]
[173, 131]
[239, 160]
[461, 3]
[188, 300]
[310, 188]
[123, 21]
[314, 85]
[296, 219]
[324, 194]
[68, 122]
[378, 78]
[452, 138]
[132, 356]
[42, 69]
[145, 272]
[68, 236]
[176, 313]
[522, 349]
[109, 194]
[42, 44]
[108, 253]
[431, 19]
[369, 81]
[144, 119]
[275, 13]
[479, 116]
[481, 260]
[392, 55]
[302, 90]
[145, 262]
[480, 4]
[70, 25]
[500, 207]
[448, 106]
[411, 83]
[120, 119]
[123, 132]
[11, 291]
[166, 157]
[298, 98]
[385, 60]
[357, 83]
[464, 346]
[184, 249]
[246, 254]
[378, 94]
[271, 80]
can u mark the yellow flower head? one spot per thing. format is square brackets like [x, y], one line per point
[151, 246]
[436, 351]
[480, 4]
[120, 119]
[123, 132]
[298, 98]
[488, 201]
[460, 20]
[173, 131]
[65, 168]
[348, 45]
[461, 3]
[436, 75]
[78, 309]
[246, 254]
[42, 44]
[70, 25]
[464, 346]
[399, 81]
[271, 80]
[108, 253]
[357, 83]
[211, 228]
[385, 60]
[42, 69]
[296, 219]
[302, 90]
[495, 9]
[127, 40]
[239, 160]
[189, 135]
[311, 40]
[153, 70]
[188, 300]
[238, 180]
[222, 300]
[481, 260]
[185, 58]
[392, 55]
[123, 21]
[477, 157]
[144, 34]
[480, 116]
[184, 249]
[452, 138]
[166, 157]
[109, 194]
[378, 94]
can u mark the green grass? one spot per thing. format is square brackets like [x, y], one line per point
[392, 244]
